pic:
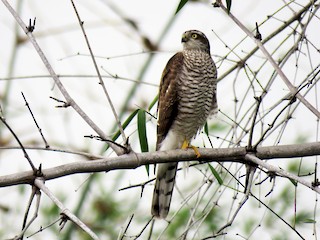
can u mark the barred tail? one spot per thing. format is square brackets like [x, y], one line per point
[163, 189]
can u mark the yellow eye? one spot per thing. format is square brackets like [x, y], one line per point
[194, 36]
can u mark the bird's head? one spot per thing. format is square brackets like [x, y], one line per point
[195, 40]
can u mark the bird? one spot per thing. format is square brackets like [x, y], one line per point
[187, 97]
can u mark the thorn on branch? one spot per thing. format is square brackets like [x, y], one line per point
[64, 220]
[258, 34]
[272, 177]
[217, 3]
[140, 185]
[38, 172]
[316, 182]
[126, 148]
[64, 103]
[31, 27]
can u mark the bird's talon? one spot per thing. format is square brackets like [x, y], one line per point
[196, 151]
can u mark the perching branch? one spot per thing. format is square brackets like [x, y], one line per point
[134, 160]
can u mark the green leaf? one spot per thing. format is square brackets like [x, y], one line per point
[153, 102]
[124, 125]
[309, 220]
[181, 5]
[229, 5]
[293, 182]
[206, 129]
[142, 131]
[215, 174]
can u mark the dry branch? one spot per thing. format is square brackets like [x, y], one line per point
[69, 100]
[134, 160]
[293, 90]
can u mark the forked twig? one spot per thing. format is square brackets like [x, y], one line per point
[39, 183]
[25, 225]
[292, 88]
[229, 223]
[64, 92]
[101, 82]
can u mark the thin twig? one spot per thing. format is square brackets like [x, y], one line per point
[25, 225]
[256, 111]
[39, 183]
[69, 99]
[292, 89]
[34, 169]
[43, 228]
[126, 229]
[101, 82]
[35, 121]
[229, 223]
[280, 172]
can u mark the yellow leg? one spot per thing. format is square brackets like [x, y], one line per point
[185, 145]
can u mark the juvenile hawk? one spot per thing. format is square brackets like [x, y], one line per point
[187, 97]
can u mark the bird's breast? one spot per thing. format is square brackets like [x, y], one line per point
[196, 87]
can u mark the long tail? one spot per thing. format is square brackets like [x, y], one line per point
[163, 189]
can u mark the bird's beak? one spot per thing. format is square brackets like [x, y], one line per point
[184, 38]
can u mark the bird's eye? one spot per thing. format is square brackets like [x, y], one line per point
[194, 36]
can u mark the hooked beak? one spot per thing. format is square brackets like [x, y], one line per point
[184, 38]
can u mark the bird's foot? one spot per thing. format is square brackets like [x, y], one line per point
[196, 151]
[185, 145]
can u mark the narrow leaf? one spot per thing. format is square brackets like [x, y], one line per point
[206, 130]
[142, 131]
[309, 220]
[153, 102]
[181, 5]
[124, 125]
[216, 174]
[293, 182]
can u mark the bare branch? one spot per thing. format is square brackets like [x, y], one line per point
[292, 88]
[57, 81]
[25, 225]
[134, 160]
[281, 172]
[35, 121]
[3, 120]
[65, 211]
[81, 23]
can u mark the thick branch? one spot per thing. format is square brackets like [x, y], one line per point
[134, 160]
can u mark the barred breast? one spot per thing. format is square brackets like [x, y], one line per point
[197, 93]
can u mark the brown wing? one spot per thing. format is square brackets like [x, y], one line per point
[168, 98]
